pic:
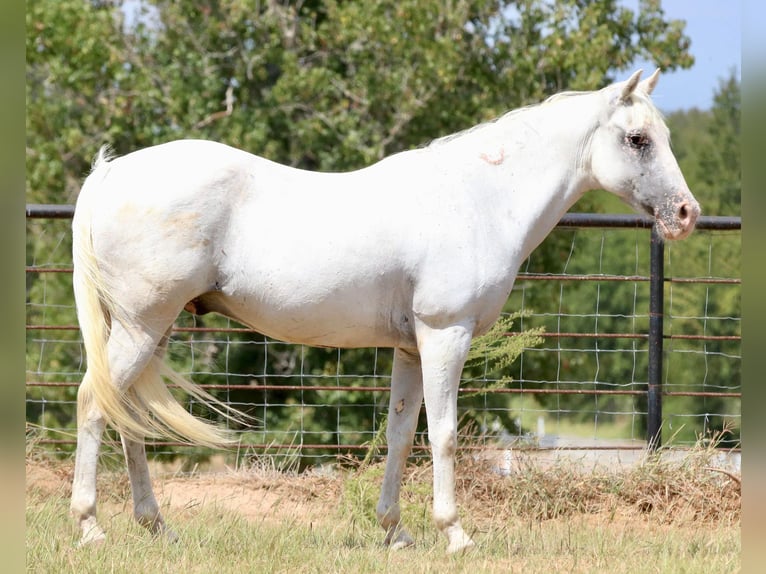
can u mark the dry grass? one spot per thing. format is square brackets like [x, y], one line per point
[668, 490]
[664, 490]
[667, 514]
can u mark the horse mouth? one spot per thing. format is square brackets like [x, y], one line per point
[645, 207]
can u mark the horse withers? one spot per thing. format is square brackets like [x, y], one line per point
[417, 252]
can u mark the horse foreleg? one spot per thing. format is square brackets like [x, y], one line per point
[443, 353]
[145, 508]
[89, 431]
[404, 407]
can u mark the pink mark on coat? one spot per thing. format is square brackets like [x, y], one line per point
[497, 159]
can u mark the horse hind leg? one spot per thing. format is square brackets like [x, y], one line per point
[90, 428]
[129, 353]
[146, 511]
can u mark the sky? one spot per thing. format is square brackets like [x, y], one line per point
[715, 30]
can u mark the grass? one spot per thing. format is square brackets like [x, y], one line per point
[223, 542]
[661, 516]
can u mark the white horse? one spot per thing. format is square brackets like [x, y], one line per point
[417, 252]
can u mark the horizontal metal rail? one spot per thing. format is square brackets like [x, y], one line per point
[572, 335]
[385, 389]
[629, 278]
[569, 221]
[526, 277]
[49, 211]
[627, 221]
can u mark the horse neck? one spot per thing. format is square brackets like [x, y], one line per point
[532, 164]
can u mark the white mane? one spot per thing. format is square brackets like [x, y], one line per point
[653, 114]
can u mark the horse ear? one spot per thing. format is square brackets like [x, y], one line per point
[630, 86]
[649, 83]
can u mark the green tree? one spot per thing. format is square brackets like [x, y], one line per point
[707, 144]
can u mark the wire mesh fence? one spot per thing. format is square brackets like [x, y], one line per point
[585, 386]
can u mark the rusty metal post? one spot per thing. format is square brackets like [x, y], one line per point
[656, 310]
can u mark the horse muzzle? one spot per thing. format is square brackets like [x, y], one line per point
[676, 220]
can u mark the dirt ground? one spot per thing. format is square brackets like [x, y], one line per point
[256, 495]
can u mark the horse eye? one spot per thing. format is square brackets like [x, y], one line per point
[637, 140]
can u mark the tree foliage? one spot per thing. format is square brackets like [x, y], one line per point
[325, 85]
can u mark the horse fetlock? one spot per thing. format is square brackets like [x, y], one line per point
[447, 522]
[152, 520]
[445, 517]
[83, 509]
[149, 519]
[388, 515]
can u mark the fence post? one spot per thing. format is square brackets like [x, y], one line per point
[656, 310]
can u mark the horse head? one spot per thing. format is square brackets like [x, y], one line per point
[631, 157]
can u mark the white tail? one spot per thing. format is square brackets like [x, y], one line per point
[147, 408]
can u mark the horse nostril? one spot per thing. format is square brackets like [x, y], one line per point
[687, 213]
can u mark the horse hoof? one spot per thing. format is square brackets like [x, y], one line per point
[170, 535]
[401, 539]
[402, 544]
[94, 537]
[463, 544]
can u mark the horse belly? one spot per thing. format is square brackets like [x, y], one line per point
[345, 316]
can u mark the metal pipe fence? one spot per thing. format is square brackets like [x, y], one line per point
[641, 343]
